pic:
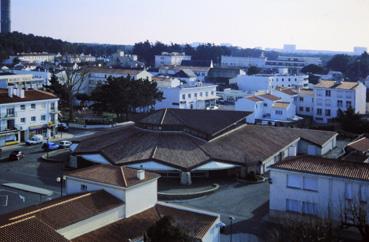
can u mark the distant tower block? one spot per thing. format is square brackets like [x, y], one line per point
[5, 16]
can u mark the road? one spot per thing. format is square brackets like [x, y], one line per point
[30, 171]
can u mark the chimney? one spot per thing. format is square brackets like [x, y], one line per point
[10, 91]
[140, 175]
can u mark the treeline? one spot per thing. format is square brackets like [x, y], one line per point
[15, 42]
[354, 68]
[147, 51]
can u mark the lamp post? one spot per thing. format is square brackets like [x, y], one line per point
[231, 218]
[61, 180]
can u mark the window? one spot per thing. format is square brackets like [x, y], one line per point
[319, 111]
[195, 94]
[206, 93]
[212, 92]
[33, 106]
[23, 107]
[33, 118]
[83, 187]
[307, 109]
[301, 99]
[289, 79]
[310, 183]
[43, 117]
[265, 105]
[200, 94]
[339, 103]
[363, 194]
[348, 191]
[189, 95]
[23, 120]
[327, 112]
[348, 104]
[183, 96]
[294, 181]
[52, 106]
[278, 112]
[328, 93]
[301, 109]
[309, 208]
[292, 205]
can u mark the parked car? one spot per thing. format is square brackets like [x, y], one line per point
[63, 127]
[16, 155]
[64, 144]
[50, 146]
[36, 139]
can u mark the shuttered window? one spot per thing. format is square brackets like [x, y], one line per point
[309, 208]
[311, 183]
[292, 205]
[294, 181]
[348, 191]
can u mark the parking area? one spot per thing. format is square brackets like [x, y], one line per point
[247, 203]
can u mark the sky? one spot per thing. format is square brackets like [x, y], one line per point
[310, 24]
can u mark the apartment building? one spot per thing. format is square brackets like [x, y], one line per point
[34, 57]
[25, 80]
[331, 96]
[24, 113]
[171, 59]
[311, 185]
[243, 62]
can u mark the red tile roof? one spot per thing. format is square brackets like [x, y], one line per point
[270, 97]
[30, 95]
[113, 175]
[361, 144]
[324, 166]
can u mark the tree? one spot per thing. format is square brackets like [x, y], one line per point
[253, 70]
[351, 121]
[123, 95]
[165, 230]
[313, 69]
[339, 63]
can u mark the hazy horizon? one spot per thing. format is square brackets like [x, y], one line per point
[310, 24]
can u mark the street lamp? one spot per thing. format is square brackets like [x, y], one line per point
[231, 219]
[61, 180]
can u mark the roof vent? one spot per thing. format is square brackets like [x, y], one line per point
[140, 175]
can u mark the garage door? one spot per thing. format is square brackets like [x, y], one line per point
[312, 150]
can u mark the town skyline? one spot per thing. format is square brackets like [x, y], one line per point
[285, 22]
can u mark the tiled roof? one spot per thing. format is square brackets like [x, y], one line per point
[186, 73]
[361, 144]
[254, 98]
[308, 92]
[60, 213]
[30, 229]
[323, 166]
[338, 85]
[134, 227]
[113, 175]
[281, 104]
[270, 97]
[29, 95]
[247, 145]
[288, 91]
[131, 72]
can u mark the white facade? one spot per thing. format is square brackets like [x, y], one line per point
[231, 95]
[171, 59]
[314, 194]
[234, 61]
[305, 103]
[35, 57]
[293, 62]
[22, 80]
[27, 118]
[337, 96]
[263, 82]
[44, 75]
[188, 97]
[267, 110]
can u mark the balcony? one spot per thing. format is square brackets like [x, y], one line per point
[8, 116]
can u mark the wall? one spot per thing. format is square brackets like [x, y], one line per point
[213, 234]
[141, 197]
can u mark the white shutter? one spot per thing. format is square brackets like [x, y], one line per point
[348, 191]
[309, 208]
[292, 205]
[311, 183]
[363, 193]
[294, 181]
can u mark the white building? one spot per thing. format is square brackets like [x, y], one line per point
[27, 81]
[97, 76]
[268, 82]
[235, 61]
[267, 109]
[34, 57]
[197, 96]
[171, 59]
[125, 60]
[36, 75]
[331, 96]
[231, 95]
[293, 62]
[318, 186]
[305, 102]
[24, 113]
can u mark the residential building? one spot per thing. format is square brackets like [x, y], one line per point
[24, 113]
[305, 102]
[166, 81]
[200, 72]
[196, 96]
[34, 57]
[105, 203]
[268, 109]
[125, 60]
[37, 74]
[171, 59]
[27, 81]
[223, 75]
[357, 150]
[207, 143]
[268, 82]
[327, 188]
[5, 16]
[187, 76]
[293, 63]
[97, 75]
[242, 62]
[331, 96]
[232, 95]
[82, 58]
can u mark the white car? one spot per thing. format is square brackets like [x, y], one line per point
[65, 144]
[36, 139]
